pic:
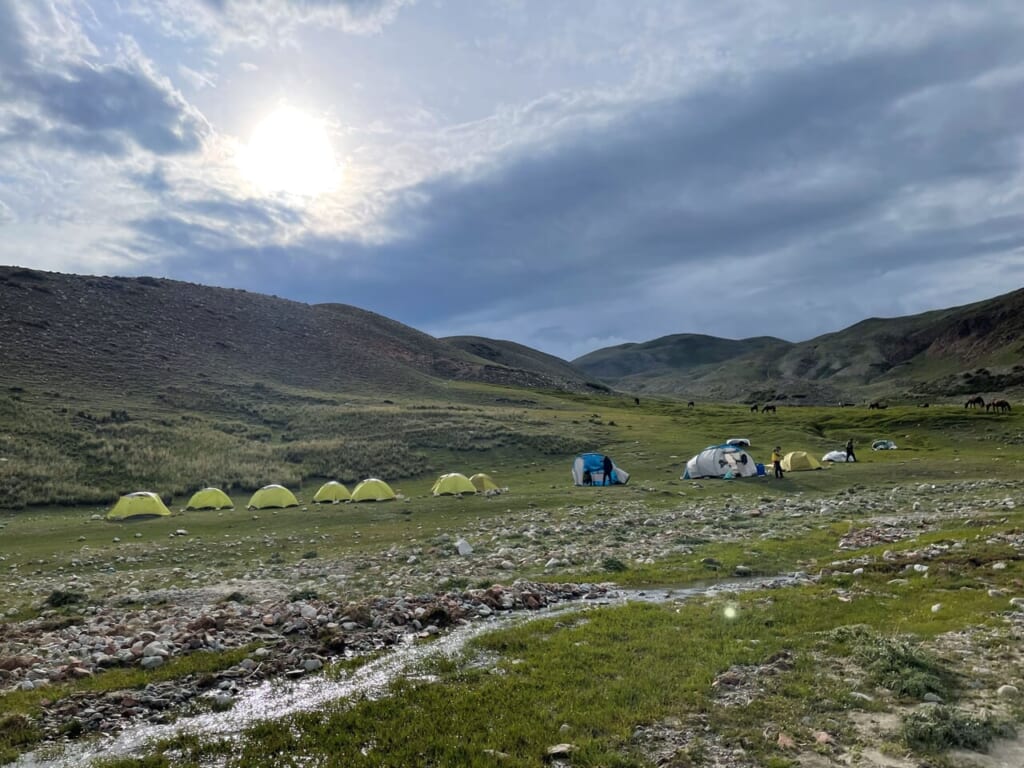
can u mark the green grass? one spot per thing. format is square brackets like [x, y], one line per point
[591, 677]
[302, 438]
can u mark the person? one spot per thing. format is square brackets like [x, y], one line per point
[607, 466]
[588, 479]
[849, 450]
[777, 461]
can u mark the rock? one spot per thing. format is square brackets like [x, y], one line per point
[861, 696]
[937, 607]
[312, 665]
[932, 698]
[743, 570]
[308, 612]
[785, 741]
[1017, 602]
[1008, 692]
[559, 751]
[151, 662]
[463, 547]
[269, 620]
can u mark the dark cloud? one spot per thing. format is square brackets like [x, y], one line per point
[812, 164]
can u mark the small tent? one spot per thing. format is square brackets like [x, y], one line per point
[835, 456]
[883, 445]
[331, 492]
[483, 482]
[721, 461]
[452, 484]
[210, 498]
[742, 442]
[373, 489]
[592, 465]
[796, 461]
[271, 496]
[138, 504]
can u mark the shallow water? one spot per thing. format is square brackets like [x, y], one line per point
[279, 698]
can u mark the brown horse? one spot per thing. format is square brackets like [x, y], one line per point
[877, 406]
[690, 404]
[753, 408]
[767, 408]
[1002, 406]
[975, 402]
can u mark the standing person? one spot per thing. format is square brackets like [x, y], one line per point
[777, 461]
[849, 450]
[607, 466]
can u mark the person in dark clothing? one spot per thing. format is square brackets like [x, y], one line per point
[607, 467]
[588, 479]
[849, 450]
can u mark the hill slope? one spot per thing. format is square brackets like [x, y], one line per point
[942, 353]
[513, 355]
[119, 334]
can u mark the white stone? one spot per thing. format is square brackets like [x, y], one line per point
[1008, 691]
[463, 547]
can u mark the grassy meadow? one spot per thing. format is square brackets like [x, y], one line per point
[609, 681]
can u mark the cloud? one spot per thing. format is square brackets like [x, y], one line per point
[81, 106]
[692, 213]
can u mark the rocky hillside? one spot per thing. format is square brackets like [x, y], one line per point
[976, 348]
[125, 334]
[513, 355]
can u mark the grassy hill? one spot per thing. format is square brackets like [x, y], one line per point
[941, 354]
[513, 355]
[115, 384]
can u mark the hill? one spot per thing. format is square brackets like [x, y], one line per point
[947, 353]
[513, 355]
[125, 334]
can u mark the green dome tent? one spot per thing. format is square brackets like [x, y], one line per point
[138, 504]
[483, 482]
[331, 493]
[452, 484]
[270, 496]
[373, 489]
[795, 461]
[210, 498]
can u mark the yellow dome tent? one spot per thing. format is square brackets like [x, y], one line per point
[272, 496]
[331, 493]
[795, 461]
[373, 489]
[210, 498]
[483, 482]
[139, 504]
[452, 484]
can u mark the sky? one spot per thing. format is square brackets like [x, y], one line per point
[568, 175]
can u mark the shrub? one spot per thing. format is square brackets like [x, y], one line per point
[940, 728]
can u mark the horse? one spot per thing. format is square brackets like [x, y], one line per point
[922, 405]
[753, 408]
[767, 408]
[636, 400]
[877, 406]
[690, 404]
[975, 402]
[1003, 406]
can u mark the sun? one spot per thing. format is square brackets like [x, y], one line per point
[290, 152]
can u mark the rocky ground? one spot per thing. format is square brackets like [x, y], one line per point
[295, 618]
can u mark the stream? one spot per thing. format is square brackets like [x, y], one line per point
[279, 698]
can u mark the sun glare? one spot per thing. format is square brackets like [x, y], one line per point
[290, 152]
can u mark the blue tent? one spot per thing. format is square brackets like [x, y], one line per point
[591, 465]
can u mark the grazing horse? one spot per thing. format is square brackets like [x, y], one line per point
[753, 408]
[1003, 406]
[636, 400]
[767, 408]
[922, 405]
[877, 406]
[975, 402]
[690, 404]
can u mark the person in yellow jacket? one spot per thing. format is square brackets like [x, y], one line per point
[777, 461]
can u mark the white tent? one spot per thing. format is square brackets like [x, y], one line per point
[834, 456]
[721, 461]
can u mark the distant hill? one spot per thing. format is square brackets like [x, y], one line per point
[976, 348]
[125, 334]
[513, 355]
